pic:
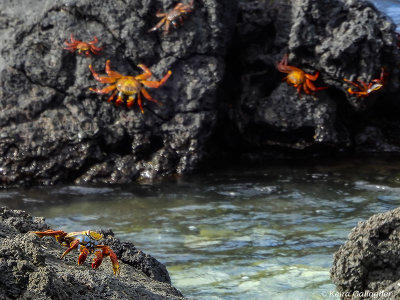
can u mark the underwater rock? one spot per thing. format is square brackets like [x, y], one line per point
[340, 39]
[53, 129]
[31, 268]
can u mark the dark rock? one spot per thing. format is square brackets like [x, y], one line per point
[31, 268]
[368, 261]
[340, 39]
[55, 130]
[128, 254]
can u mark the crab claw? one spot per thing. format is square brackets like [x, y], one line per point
[114, 262]
[50, 233]
[106, 251]
[97, 260]
[82, 257]
[57, 234]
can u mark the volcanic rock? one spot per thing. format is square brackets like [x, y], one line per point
[53, 129]
[31, 268]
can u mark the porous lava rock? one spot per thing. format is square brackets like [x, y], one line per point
[222, 97]
[31, 268]
[367, 264]
[340, 39]
[53, 129]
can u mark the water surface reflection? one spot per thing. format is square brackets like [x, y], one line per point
[244, 233]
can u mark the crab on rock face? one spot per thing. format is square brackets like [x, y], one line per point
[172, 16]
[88, 241]
[365, 89]
[131, 86]
[298, 78]
[82, 47]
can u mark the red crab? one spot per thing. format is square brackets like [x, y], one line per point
[83, 47]
[365, 89]
[298, 78]
[176, 14]
[132, 86]
[87, 242]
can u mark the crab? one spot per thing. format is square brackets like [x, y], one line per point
[365, 89]
[298, 78]
[131, 86]
[172, 16]
[82, 47]
[89, 241]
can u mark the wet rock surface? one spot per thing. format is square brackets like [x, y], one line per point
[55, 130]
[340, 39]
[31, 268]
[225, 96]
[368, 261]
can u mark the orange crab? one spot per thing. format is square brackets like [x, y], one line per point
[83, 47]
[88, 241]
[298, 78]
[365, 89]
[131, 86]
[176, 14]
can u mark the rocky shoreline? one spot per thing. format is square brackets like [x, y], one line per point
[366, 266]
[225, 97]
[31, 268]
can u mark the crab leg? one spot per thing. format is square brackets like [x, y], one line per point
[148, 97]
[131, 101]
[140, 103]
[312, 77]
[70, 48]
[146, 73]
[160, 15]
[111, 98]
[73, 41]
[57, 234]
[157, 84]
[98, 259]
[306, 88]
[100, 78]
[105, 251]
[159, 24]
[84, 253]
[119, 99]
[95, 40]
[166, 29]
[353, 83]
[95, 49]
[111, 73]
[105, 90]
[50, 233]
[72, 246]
[312, 87]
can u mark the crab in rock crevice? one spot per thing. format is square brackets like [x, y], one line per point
[365, 89]
[298, 78]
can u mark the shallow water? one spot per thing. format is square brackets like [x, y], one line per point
[242, 233]
[391, 8]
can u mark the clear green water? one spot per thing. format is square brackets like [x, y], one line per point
[241, 233]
